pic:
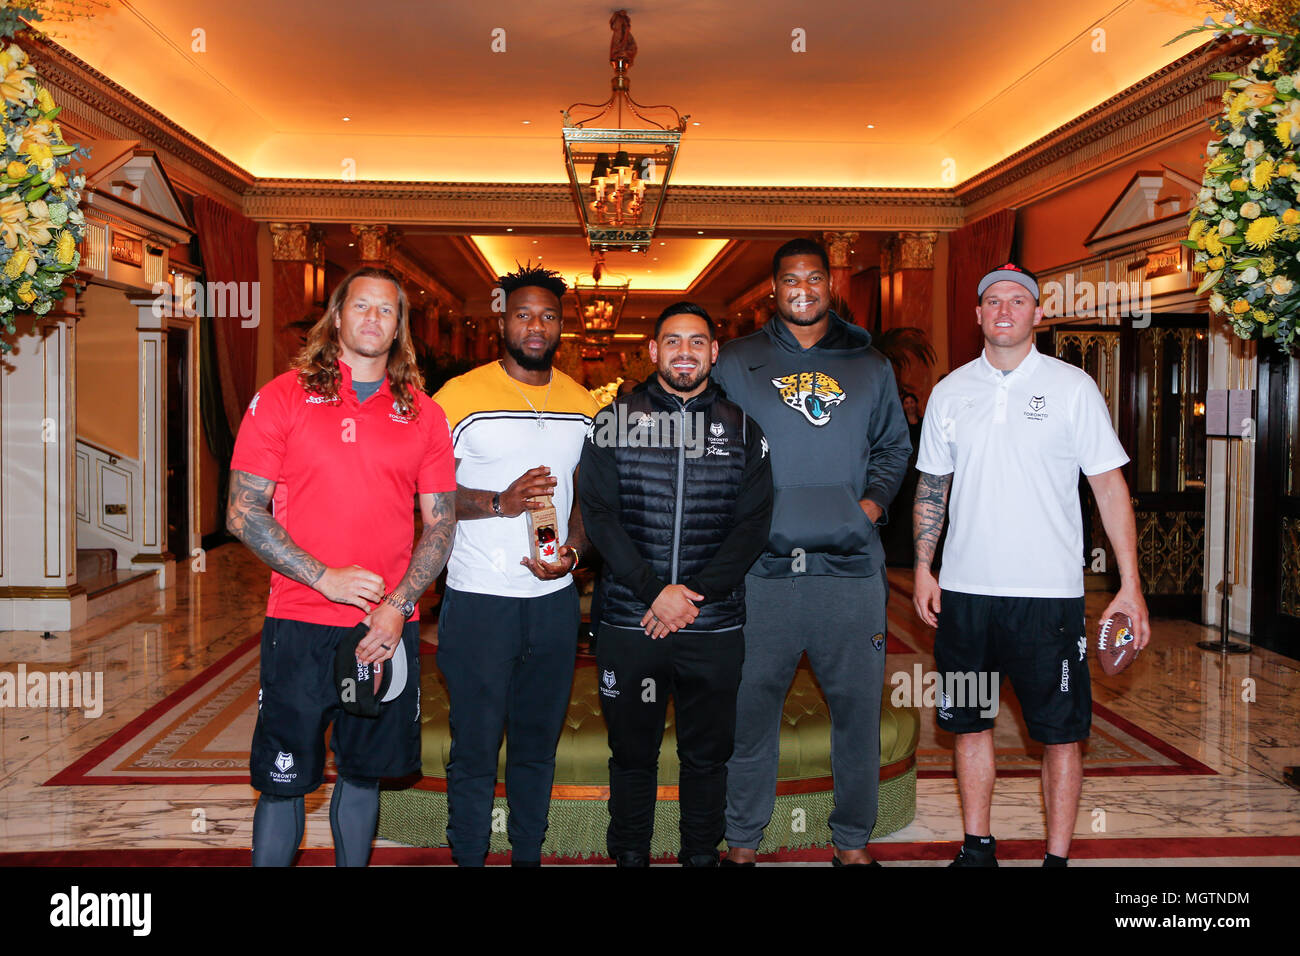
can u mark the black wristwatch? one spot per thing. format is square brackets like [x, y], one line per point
[496, 505]
[406, 607]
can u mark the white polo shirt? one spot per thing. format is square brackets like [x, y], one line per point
[1015, 445]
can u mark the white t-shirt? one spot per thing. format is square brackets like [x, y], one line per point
[495, 434]
[1015, 445]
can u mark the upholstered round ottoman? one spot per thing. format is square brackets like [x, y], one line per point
[417, 816]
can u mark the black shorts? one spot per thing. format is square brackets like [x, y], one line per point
[1040, 643]
[297, 701]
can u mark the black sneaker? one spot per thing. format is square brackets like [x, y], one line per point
[968, 857]
[631, 858]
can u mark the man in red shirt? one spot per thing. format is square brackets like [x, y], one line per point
[329, 459]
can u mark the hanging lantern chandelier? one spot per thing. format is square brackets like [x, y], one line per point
[620, 156]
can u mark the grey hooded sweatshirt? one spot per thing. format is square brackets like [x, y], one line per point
[837, 432]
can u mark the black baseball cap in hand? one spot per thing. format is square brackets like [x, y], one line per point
[362, 688]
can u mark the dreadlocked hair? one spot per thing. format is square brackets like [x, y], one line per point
[530, 275]
[317, 363]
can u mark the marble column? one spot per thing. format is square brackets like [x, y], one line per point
[151, 339]
[294, 251]
[38, 428]
[907, 281]
[838, 246]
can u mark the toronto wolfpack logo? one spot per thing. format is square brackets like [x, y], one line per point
[716, 429]
[608, 681]
[1036, 405]
[1037, 402]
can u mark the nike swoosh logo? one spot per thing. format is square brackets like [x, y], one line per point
[755, 368]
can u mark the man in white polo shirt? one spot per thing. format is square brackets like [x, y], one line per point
[1007, 436]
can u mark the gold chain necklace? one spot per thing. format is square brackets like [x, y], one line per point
[545, 401]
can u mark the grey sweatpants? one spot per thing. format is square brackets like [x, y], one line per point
[835, 621]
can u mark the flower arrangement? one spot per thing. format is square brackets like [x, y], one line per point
[1245, 226]
[41, 225]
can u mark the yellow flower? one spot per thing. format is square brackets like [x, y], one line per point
[1272, 61]
[1199, 267]
[1263, 174]
[1239, 103]
[1213, 244]
[1216, 263]
[44, 102]
[1260, 316]
[38, 222]
[1261, 232]
[17, 262]
[39, 152]
[66, 248]
[1286, 169]
[1267, 265]
[1259, 95]
[59, 180]
[1238, 185]
[15, 88]
[13, 220]
[1195, 231]
[1281, 285]
[16, 170]
[1240, 306]
[1291, 216]
[25, 292]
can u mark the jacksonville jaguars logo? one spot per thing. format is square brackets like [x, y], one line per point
[813, 394]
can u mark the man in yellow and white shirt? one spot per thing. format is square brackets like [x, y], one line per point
[507, 634]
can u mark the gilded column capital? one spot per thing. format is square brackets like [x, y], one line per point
[376, 243]
[915, 250]
[837, 247]
[292, 241]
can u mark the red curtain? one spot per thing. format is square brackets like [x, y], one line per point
[972, 251]
[228, 244]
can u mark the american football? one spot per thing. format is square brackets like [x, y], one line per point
[1116, 648]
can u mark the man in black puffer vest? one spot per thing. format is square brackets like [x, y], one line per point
[675, 486]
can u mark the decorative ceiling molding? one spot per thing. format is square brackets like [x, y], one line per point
[550, 206]
[1170, 103]
[89, 98]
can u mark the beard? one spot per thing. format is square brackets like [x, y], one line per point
[684, 381]
[532, 363]
[803, 319]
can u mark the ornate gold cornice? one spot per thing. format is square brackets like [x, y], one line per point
[92, 96]
[550, 205]
[1167, 104]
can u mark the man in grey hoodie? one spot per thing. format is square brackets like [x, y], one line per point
[828, 405]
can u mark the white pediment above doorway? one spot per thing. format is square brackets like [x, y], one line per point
[120, 170]
[1153, 202]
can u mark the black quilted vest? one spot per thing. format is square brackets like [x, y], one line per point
[678, 502]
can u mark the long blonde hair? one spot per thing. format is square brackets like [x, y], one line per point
[317, 363]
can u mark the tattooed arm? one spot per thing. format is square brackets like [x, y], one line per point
[427, 562]
[248, 518]
[927, 521]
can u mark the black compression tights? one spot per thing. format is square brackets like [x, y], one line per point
[354, 812]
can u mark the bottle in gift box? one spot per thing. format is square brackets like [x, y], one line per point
[545, 536]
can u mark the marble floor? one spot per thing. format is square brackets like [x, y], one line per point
[1239, 715]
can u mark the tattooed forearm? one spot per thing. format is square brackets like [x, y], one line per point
[431, 551]
[249, 520]
[927, 515]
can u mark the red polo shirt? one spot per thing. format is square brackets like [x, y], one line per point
[346, 475]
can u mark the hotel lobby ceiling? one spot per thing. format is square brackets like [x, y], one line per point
[915, 95]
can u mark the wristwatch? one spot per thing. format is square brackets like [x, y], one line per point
[406, 607]
[496, 505]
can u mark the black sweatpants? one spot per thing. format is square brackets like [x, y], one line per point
[701, 670]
